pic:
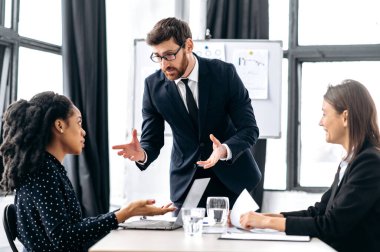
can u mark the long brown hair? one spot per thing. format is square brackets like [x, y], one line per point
[354, 97]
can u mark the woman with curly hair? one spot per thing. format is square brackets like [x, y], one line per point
[37, 136]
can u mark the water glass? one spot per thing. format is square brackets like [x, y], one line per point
[193, 221]
[217, 210]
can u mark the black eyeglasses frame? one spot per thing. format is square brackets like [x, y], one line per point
[158, 59]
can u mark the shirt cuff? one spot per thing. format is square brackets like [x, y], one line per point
[229, 153]
[143, 162]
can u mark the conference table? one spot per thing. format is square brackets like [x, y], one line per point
[176, 241]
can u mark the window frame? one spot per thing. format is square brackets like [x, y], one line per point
[12, 41]
[297, 55]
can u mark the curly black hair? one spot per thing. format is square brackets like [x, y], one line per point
[27, 131]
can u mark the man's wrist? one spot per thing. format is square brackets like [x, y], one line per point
[144, 159]
[229, 153]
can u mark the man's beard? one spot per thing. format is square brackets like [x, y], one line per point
[180, 71]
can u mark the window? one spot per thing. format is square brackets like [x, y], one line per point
[338, 22]
[334, 44]
[38, 71]
[30, 57]
[41, 20]
[33, 63]
[326, 42]
[319, 159]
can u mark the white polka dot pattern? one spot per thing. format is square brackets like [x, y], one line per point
[49, 216]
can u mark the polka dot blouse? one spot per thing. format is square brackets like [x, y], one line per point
[49, 216]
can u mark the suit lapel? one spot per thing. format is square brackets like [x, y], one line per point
[174, 97]
[203, 94]
[335, 187]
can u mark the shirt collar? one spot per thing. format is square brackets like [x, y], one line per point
[193, 76]
[55, 161]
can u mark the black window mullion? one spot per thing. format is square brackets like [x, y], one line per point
[15, 14]
[6, 59]
[325, 53]
[293, 94]
[2, 12]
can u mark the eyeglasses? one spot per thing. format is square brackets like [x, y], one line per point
[169, 57]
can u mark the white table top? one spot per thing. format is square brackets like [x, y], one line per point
[175, 241]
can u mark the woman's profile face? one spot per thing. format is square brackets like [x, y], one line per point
[334, 124]
[72, 138]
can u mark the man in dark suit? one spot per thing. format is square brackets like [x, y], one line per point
[209, 111]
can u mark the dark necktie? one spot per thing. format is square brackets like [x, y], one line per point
[334, 188]
[191, 105]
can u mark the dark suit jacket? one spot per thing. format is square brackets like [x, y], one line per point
[348, 216]
[225, 110]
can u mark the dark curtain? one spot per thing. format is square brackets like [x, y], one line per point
[242, 19]
[85, 82]
[238, 19]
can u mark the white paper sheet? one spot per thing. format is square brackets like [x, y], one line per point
[273, 236]
[243, 204]
[252, 67]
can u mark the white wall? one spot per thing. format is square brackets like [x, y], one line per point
[282, 201]
[125, 23]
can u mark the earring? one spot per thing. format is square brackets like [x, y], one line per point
[62, 131]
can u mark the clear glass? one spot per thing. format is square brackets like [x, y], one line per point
[38, 71]
[41, 20]
[320, 160]
[279, 21]
[217, 210]
[193, 221]
[275, 161]
[340, 22]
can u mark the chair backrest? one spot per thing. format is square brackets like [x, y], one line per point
[9, 221]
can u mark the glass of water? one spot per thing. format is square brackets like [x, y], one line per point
[193, 221]
[217, 210]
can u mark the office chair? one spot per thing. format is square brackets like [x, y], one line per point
[9, 221]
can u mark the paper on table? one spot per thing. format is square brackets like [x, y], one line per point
[279, 236]
[243, 204]
[214, 230]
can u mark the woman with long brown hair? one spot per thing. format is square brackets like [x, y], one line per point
[348, 215]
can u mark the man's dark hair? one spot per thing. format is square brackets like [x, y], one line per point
[169, 28]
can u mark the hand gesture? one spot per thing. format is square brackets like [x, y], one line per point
[219, 151]
[132, 150]
[142, 207]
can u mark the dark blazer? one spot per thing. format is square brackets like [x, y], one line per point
[348, 216]
[225, 110]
